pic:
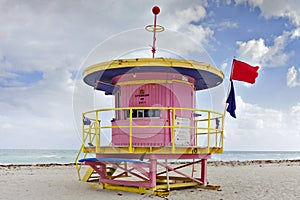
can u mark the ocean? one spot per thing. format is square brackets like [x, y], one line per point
[36, 156]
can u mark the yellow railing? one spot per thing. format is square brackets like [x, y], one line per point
[208, 127]
[88, 137]
[206, 123]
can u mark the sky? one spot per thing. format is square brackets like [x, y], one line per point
[45, 45]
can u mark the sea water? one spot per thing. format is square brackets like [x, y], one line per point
[37, 156]
[256, 155]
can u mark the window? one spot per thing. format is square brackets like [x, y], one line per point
[140, 113]
[145, 113]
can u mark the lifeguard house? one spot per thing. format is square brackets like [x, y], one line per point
[159, 140]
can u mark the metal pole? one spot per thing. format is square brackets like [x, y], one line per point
[130, 130]
[154, 37]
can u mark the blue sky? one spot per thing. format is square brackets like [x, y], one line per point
[44, 44]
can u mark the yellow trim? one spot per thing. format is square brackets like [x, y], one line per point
[177, 185]
[162, 62]
[154, 108]
[139, 190]
[154, 150]
[152, 81]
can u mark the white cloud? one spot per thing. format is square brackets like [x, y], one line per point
[258, 53]
[252, 50]
[53, 38]
[277, 8]
[258, 128]
[295, 117]
[227, 24]
[40, 35]
[39, 116]
[185, 16]
[292, 78]
[295, 33]
[224, 65]
[183, 23]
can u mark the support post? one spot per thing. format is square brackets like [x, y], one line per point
[173, 129]
[97, 132]
[152, 172]
[130, 130]
[204, 171]
[208, 133]
[222, 144]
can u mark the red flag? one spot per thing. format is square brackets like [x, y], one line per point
[243, 72]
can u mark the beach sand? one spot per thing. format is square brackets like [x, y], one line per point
[238, 180]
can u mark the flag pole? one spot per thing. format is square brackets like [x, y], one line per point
[225, 107]
[229, 87]
[232, 67]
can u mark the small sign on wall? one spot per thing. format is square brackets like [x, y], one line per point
[182, 135]
[142, 96]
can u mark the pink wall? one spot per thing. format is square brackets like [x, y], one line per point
[174, 93]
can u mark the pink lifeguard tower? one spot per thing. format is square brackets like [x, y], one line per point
[159, 140]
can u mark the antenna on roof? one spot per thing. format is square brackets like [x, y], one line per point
[154, 28]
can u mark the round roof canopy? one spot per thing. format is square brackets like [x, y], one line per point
[100, 75]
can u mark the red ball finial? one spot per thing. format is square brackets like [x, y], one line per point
[155, 10]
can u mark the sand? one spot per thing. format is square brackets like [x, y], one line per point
[238, 180]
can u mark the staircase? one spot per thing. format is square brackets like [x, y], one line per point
[89, 133]
[90, 176]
